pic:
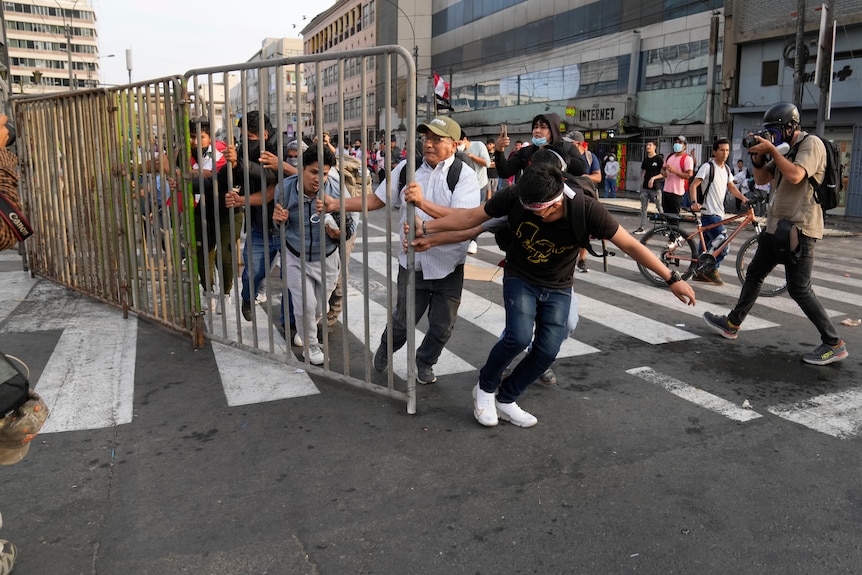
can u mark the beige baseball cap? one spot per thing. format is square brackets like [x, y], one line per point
[442, 126]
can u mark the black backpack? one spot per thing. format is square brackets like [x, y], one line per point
[825, 192]
[703, 189]
[503, 236]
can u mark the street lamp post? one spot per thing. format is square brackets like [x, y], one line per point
[90, 71]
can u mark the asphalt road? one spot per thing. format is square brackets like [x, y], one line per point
[644, 459]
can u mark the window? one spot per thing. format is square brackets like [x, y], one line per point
[769, 73]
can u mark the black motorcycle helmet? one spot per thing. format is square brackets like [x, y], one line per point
[783, 117]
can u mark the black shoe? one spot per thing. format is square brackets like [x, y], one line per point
[246, 310]
[380, 359]
[425, 375]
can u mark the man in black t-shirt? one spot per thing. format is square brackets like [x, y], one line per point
[540, 263]
[651, 187]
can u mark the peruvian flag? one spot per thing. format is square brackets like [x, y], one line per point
[441, 93]
[441, 88]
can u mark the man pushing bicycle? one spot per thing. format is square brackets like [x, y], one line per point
[718, 181]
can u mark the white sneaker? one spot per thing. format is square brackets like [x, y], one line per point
[261, 298]
[314, 354]
[297, 340]
[473, 247]
[483, 407]
[227, 305]
[515, 415]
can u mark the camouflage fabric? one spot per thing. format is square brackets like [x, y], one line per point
[9, 188]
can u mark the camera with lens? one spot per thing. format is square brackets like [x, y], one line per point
[749, 141]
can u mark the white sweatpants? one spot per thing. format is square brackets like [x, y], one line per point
[310, 311]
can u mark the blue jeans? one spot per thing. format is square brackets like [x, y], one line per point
[709, 235]
[441, 299]
[798, 285]
[610, 187]
[527, 307]
[259, 263]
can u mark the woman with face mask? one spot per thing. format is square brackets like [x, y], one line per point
[546, 133]
[677, 169]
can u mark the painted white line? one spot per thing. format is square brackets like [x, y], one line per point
[664, 298]
[838, 295]
[632, 324]
[836, 279]
[89, 381]
[248, 378]
[694, 395]
[14, 286]
[837, 414]
[782, 303]
[618, 319]
[448, 363]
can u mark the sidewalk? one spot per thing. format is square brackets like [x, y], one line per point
[837, 224]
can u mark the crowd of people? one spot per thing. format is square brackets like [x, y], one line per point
[541, 200]
[548, 185]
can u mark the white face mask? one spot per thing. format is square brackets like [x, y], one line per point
[461, 147]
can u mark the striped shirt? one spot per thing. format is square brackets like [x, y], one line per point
[439, 261]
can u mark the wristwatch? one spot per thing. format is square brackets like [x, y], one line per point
[674, 277]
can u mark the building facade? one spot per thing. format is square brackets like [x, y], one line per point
[43, 37]
[620, 71]
[261, 85]
[764, 38]
[356, 24]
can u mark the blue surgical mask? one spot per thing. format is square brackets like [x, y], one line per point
[677, 148]
[540, 141]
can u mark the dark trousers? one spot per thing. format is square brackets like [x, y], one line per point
[440, 298]
[798, 285]
[671, 203]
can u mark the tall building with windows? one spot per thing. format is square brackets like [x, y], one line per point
[355, 24]
[261, 85]
[762, 36]
[620, 71]
[43, 37]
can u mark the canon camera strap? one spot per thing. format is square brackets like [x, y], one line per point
[15, 219]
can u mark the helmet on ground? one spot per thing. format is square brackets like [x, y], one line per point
[781, 114]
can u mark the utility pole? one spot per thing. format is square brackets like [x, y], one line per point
[711, 67]
[69, 50]
[129, 63]
[801, 52]
[825, 54]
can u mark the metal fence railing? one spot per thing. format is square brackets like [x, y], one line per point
[129, 205]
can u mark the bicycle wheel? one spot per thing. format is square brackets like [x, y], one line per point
[773, 284]
[673, 249]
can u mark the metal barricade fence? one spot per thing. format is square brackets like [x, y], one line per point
[123, 216]
[95, 185]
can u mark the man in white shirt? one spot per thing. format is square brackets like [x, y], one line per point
[716, 174]
[440, 270]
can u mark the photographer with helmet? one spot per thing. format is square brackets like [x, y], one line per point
[794, 223]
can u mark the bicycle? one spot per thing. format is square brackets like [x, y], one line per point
[676, 248]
